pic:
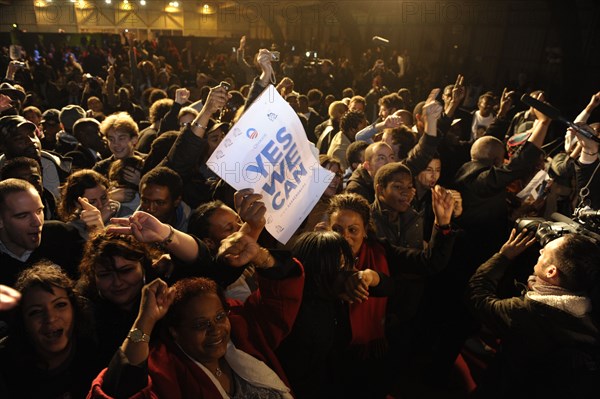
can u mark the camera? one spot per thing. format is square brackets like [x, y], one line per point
[275, 55]
[560, 225]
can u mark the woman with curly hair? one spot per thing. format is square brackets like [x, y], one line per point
[85, 202]
[113, 270]
[49, 351]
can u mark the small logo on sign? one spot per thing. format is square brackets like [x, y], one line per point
[236, 132]
[252, 133]
[271, 116]
[219, 154]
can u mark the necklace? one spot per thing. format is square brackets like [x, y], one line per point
[218, 372]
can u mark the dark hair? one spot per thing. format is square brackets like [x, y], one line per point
[11, 186]
[578, 262]
[101, 249]
[84, 126]
[354, 151]
[163, 176]
[198, 224]
[159, 149]
[405, 138]
[187, 289]
[115, 173]
[47, 276]
[392, 101]
[320, 252]
[388, 172]
[11, 165]
[314, 95]
[348, 92]
[352, 202]
[351, 120]
[74, 188]
[159, 109]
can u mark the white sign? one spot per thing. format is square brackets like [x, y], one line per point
[267, 150]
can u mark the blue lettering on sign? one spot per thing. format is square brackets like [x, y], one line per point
[285, 159]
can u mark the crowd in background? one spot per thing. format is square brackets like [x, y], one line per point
[140, 273]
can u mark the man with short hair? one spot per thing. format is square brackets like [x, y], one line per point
[29, 170]
[65, 141]
[18, 139]
[549, 331]
[350, 123]
[160, 196]
[361, 181]
[26, 238]
[91, 146]
[50, 124]
[393, 216]
[121, 132]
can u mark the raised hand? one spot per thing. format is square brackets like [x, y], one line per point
[251, 210]
[216, 100]
[243, 43]
[182, 95]
[517, 243]
[90, 215]
[457, 96]
[594, 102]
[442, 203]
[157, 297]
[143, 226]
[392, 122]
[238, 249]
[506, 101]
[432, 110]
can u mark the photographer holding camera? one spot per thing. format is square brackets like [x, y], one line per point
[549, 337]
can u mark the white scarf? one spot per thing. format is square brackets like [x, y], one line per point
[250, 369]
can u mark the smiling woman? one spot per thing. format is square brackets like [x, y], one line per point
[113, 271]
[48, 352]
[206, 346]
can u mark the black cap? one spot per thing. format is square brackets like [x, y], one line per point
[11, 91]
[10, 123]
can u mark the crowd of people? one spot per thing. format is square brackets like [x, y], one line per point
[129, 269]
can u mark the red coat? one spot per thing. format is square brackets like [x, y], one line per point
[257, 327]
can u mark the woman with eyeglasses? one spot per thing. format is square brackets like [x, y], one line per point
[206, 346]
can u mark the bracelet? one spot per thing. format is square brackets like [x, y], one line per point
[263, 263]
[590, 153]
[197, 124]
[164, 243]
[445, 229]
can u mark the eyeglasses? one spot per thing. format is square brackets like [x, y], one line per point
[205, 325]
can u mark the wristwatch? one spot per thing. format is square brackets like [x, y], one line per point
[136, 335]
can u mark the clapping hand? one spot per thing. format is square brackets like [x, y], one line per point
[442, 202]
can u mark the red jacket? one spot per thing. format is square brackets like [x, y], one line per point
[257, 327]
